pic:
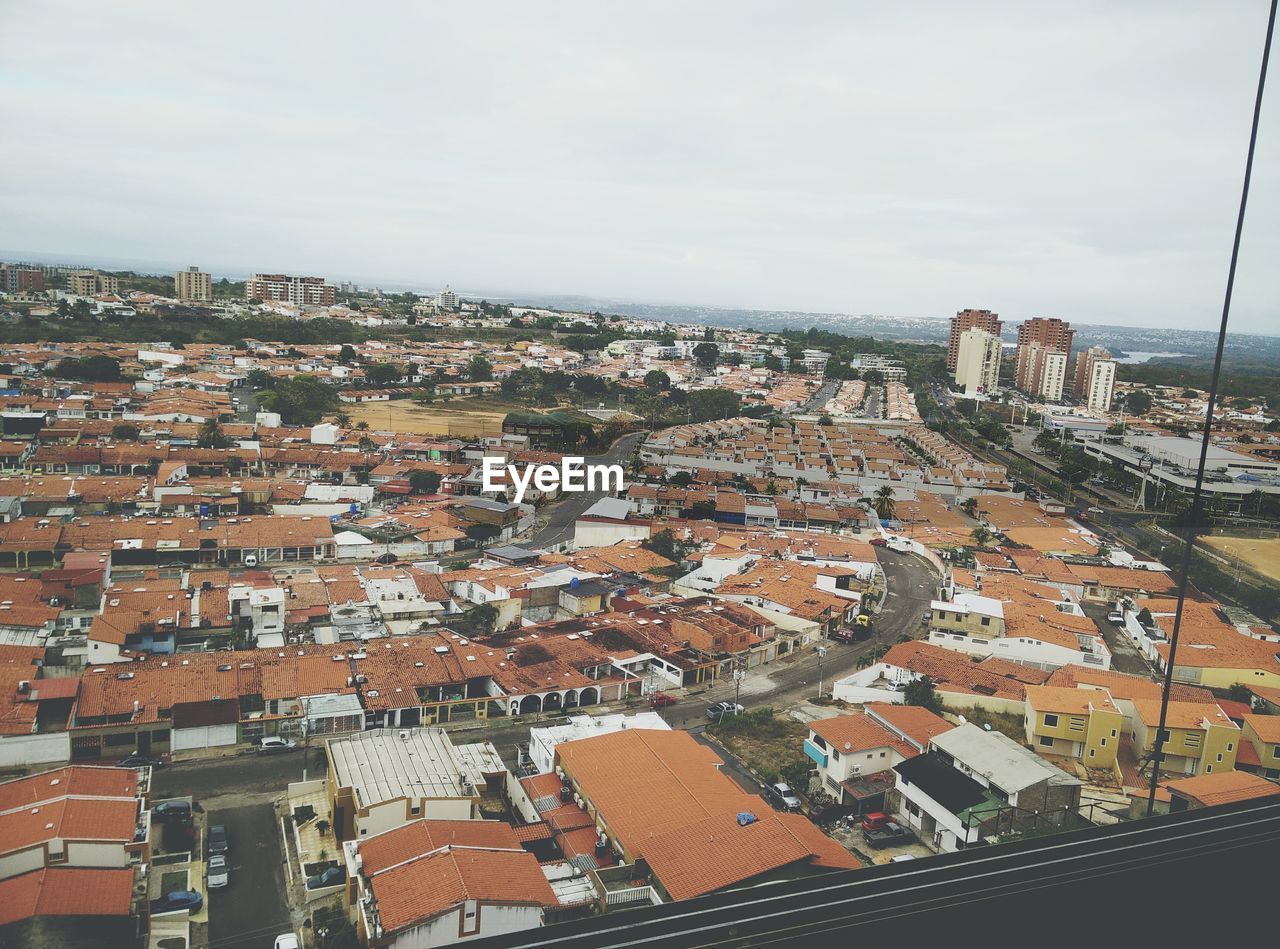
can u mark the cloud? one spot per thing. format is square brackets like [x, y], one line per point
[856, 157]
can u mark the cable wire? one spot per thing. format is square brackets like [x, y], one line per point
[1197, 497]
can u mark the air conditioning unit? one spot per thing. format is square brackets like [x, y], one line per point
[404, 734]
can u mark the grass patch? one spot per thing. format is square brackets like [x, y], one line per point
[173, 881]
[1007, 723]
[768, 744]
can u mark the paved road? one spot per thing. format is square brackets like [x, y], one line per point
[561, 515]
[1124, 654]
[246, 778]
[251, 910]
[822, 396]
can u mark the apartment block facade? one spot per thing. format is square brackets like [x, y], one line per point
[977, 368]
[193, 284]
[90, 283]
[967, 320]
[288, 289]
[1044, 350]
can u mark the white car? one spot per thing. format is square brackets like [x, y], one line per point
[902, 858]
[275, 745]
[217, 871]
[286, 941]
[1115, 616]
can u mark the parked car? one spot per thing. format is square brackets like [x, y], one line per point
[329, 877]
[167, 811]
[874, 820]
[270, 746]
[782, 797]
[856, 634]
[661, 700]
[827, 812]
[721, 709]
[878, 542]
[138, 760]
[286, 941]
[1096, 510]
[190, 900]
[218, 842]
[1115, 616]
[250, 560]
[887, 836]
[217, 871]
[902, 858]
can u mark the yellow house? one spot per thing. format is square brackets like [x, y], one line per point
[1200, 738]
[1076, 723]
[1260, 745]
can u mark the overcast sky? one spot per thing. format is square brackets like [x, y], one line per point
[1079, 160]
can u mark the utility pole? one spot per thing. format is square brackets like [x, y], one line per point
[822, 651]
[739, 673]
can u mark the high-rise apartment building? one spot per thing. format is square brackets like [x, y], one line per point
[1099, 382]
[1036, 338]
[193, 284]
[446, 299]
[90, 283]
[967, 320]
[1083, 379]
[287, 289]
[15, 278]
[978, 362]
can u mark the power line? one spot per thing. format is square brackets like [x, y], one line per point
[1197, 498]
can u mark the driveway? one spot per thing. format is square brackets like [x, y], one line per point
[562, 514]
[252, 909]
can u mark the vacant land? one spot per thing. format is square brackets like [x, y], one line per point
[459, 417]
[1262, 555]
[768, 744]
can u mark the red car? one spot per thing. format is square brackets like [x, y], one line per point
[661, 700]
[879, 542]
[876, 820]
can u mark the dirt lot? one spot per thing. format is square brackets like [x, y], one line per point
[459, 417]
[1263, 556]
[764, 742]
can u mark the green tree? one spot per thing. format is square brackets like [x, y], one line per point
[981, 536]
[657, 381]
[347, 354]
[258, 379]
[384, 373]
[664, 544]
[210, 435]
[681, 479]
[921, 692]
[884, 503]
[825, 419]
[706, 354]
[970, 506]
[1137, 402]
[300, 400]
[89, 369]
[124, 432]
[424, 482]
[479, 369]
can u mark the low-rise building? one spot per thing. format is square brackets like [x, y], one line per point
[381, 779]
[1199, 736]
[1083, 724]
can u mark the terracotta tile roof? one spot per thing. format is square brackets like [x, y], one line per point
[686, 816]
[717, 852]
[1188, 715]
[850, 734]
[69, 819]
[916, 723]
[1267, 727]
[66, 891]
[1068, 701]
[1124, 686]
[412, 840]
[77, 780]
[1224, 787]
[420, 889]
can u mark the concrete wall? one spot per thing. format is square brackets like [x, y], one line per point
[21, 751]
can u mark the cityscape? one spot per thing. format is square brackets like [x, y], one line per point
[339, 613]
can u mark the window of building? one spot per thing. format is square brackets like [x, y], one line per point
[1050, 721]
[1093, 753]
[1219, 756]
[1103, 742]
[1208, 769]
[1164, 734]
[1113, 733]
[1046, 741]
[913, 809]
[986, 621]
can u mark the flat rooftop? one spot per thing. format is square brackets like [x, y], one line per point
[390, 763]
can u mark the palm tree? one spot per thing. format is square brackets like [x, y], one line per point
[884, 503]
[970, 506]
[982, 536]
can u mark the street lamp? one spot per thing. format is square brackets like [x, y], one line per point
[822, 651]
